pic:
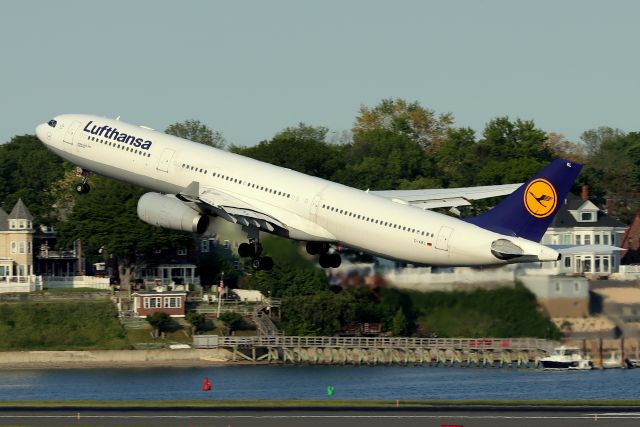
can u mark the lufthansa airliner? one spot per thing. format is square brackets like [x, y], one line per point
[190, 183]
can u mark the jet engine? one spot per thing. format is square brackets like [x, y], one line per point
[165, 210]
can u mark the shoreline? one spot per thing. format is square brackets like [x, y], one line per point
[92, 359]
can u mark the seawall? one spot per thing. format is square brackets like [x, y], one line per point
[113, 358]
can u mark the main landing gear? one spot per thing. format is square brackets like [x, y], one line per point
[83, 187]
[326, 260]
[253, 249]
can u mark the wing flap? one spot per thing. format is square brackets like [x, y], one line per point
[238, 211]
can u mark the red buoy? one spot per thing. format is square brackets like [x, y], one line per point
[206, 384]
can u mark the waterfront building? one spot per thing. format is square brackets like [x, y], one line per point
[16, 251]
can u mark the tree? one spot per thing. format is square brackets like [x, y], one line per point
[27, 170]
[399, 324]
[594, 138]
[195, 130]
[106, 221]
[419, 124]
[196, 320]
[562, 147]
[380, 159]
[302, 148]
[160, 322]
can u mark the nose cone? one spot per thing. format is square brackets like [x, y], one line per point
[42, 132]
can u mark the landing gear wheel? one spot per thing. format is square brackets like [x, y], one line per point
[317, 248]
[330, 260]
[245, 250]
[335, 260]
[262, 263]
[83, 188]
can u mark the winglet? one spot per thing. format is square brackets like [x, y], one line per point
[528, 211]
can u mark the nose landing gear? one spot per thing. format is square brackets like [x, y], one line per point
[83, 187]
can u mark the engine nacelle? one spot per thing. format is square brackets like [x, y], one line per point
[165, 210]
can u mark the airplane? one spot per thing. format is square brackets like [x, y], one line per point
[192, 183]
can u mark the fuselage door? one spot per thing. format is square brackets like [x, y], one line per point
[443, 238]
[313, 209]
[165, 159]
[68, 136]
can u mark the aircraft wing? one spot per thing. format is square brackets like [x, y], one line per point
[446, 197]
[237, 211]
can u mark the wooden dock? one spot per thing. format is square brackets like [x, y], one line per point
[463, 352]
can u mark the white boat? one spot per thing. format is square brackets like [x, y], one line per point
[615, 361]
[566, 358]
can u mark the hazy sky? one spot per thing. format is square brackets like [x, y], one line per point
[252, 68]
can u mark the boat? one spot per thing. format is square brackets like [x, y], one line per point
[564, 357]
[615, 361]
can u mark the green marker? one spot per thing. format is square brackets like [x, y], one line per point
[330, 391]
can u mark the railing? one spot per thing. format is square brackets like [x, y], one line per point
[478, 344]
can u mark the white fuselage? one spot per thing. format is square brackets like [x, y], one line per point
[311, 208]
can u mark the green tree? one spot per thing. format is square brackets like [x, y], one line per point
[419, 124]
[195, 130]
[160, 322]
[196, 320]
[399, 324]
[106, 221]
[380, 159]
[27, 171]
[303, 148]
[594, 138]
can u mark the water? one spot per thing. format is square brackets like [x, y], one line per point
[311, 382]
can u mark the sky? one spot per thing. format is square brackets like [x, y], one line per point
[249, 69]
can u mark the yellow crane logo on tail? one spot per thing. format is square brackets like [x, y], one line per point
[540, 198]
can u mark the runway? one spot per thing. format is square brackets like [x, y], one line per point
[314, 417]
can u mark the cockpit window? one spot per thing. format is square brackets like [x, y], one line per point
[52, 123]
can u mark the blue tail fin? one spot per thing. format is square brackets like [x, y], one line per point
[528, 211]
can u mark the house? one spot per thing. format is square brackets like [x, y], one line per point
[147, 303]
[16, 251]
[590, 236]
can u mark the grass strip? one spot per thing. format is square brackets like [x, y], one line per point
[318, 403]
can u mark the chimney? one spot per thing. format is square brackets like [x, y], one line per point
[609, 206]
[585, 193]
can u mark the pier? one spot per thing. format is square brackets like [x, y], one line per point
[463, 352]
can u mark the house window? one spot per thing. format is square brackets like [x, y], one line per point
[204, 245]
[605, 239]
[578, 239]
[12, 224]
[22, 247]
[597, 264]
[557, 287]
[21, 224]
[182, 251]
[567, 262]
[576, 287]
[587, 239]
[586, 216]
[152, 302]
[172, 302]
[3, 271]
[14, 247]
[596, 239]
[605, 264]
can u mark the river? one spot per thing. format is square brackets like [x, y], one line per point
[312, 382]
